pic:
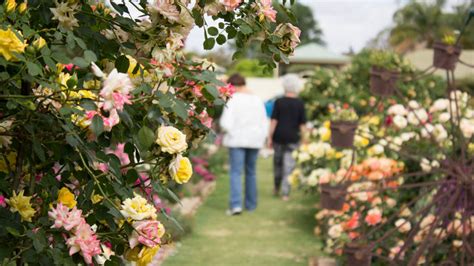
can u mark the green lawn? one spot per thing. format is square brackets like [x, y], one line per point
[277, 233]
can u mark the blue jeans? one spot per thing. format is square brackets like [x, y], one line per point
[243, 158]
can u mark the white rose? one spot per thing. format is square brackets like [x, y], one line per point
[425, 165]
[312, 179]
[407, 136]
[397, 109]
[439, 105]
[400, 121]
[440, 132]
[303, 157]
[444, 117]
[467, 128]
[335, 231]
[377, 149]
[403, 225]
[427, 130]
[413, 104]
[417, 116]
[171, 140]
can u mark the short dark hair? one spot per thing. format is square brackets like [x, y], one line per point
[236, 80]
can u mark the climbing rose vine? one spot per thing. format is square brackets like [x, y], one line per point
[99, 108]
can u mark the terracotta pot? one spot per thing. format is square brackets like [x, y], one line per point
[382, 81]
[357, 254]
[446, 56]
[342, 133]
[333, 197]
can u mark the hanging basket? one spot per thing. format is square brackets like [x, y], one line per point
[357, 254]
[342, 133]
[382, 81]
[446, 56]
[333, 197]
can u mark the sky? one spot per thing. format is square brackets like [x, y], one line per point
[345, 23]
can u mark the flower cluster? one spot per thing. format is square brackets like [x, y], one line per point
[147, 230]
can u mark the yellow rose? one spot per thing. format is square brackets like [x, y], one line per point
[327, 124]
[146, 255]
[326, 135]
[171, 140]
[21, 204]
[138, 209]
[39, 43]
[374, 120]
[10, 5]
[361, 141]
[96, 198]
[181, 169]
[66, 197]
[11, 157]
[22, 7]
[10, 43]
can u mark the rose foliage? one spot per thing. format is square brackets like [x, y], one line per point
[99, 108]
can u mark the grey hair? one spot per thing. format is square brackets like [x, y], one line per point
[291, 83]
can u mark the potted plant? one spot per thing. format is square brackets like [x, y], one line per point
[446, 52]
[357, 253]
[333, 196]
[343, 127]
[383, 74]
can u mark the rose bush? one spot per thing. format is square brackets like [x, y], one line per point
[99, 109]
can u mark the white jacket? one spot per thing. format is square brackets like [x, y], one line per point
[244, 122]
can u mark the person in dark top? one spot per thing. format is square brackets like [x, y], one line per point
[286, 130]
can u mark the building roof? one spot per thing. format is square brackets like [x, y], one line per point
[313, 53]
[422, 59]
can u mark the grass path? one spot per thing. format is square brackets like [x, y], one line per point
[276, 233]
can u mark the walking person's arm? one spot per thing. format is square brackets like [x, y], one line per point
[273, 124]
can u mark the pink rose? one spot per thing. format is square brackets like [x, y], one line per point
[111, 121]
[230, 5]
[226, 91]
[290, 37]
[120, 153]
[265, 9]
[84, 241]
[3, 203]
[205, 119]
[148, 233]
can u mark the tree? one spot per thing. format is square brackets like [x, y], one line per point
[305, 20]
[416, 23]
[419, 24]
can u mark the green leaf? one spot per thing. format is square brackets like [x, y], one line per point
[97, 125]
[90, 56]
[212, 90]
[13, 231]
[180, 109]
[33, 69]
[71, 140]
[80, 62]
[146, 137]
[245, 29]
[122, 64]
[198, 18]
[61, 57]
[221, 39]
[39, 151]
[221, 25]
[50, 62]
[132, 176]
[88, 104]
[81, 43]
[209, 43]
[213, 31]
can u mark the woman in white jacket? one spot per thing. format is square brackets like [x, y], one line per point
[245, 125]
